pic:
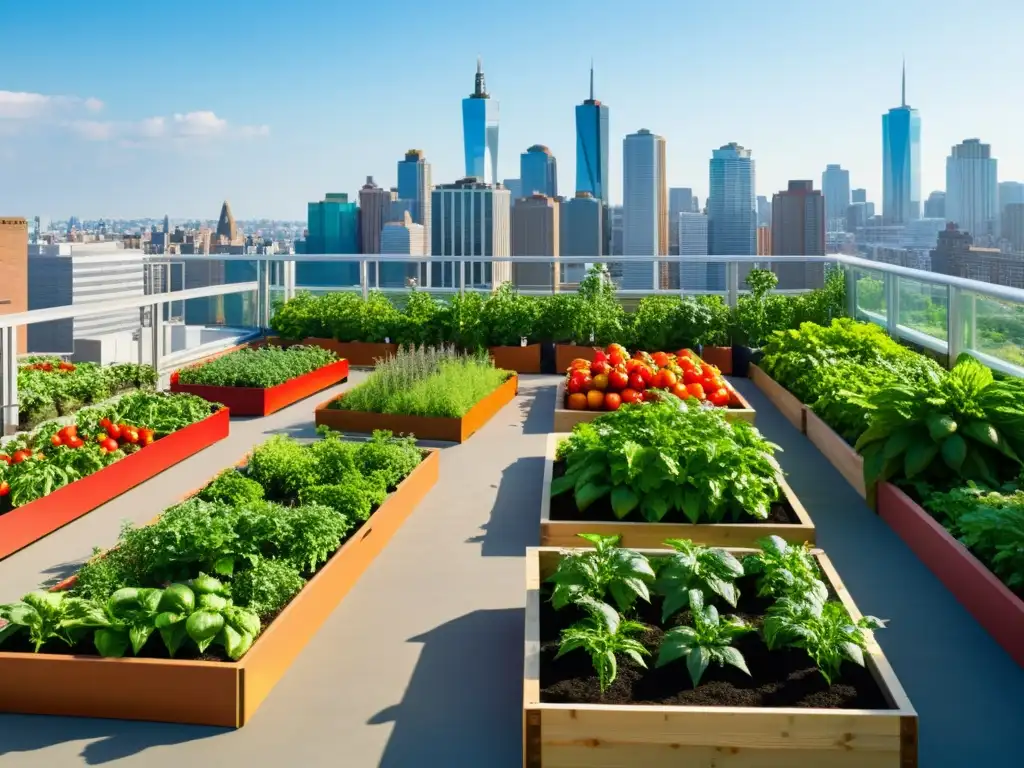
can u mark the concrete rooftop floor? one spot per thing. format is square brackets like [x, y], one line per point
[421, 664]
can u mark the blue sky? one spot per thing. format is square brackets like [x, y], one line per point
[136, 109]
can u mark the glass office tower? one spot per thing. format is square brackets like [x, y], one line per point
[333, 225]
[480, 131]
[592, 146]
[901, 162]
[538, 172]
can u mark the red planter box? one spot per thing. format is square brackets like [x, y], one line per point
[256, 401]
[25, 525]
[994, 606]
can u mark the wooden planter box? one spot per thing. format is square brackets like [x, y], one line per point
[720, 357]
[977, 589]
[566, 353]
[25, 525]
[519, 359]
[360, 354]
[840, 453]
[780, 397]
[257, 401]
[644, 535]
[646, 736]
[223, 694]
[739, 409]
[423, 427]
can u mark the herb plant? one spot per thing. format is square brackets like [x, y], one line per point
[782, 568]
[669, 456]
[48, 616]
[708, 640]
[603, 634]
[263, 367]
[695, 569]
[508, 317]
[606, 569]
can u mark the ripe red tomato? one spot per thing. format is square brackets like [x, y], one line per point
[616, 358]
[636, 381]
[55, 441]
[680, 391]
[577, 402]
[618, 380]
[595, 400]
[696, 390]
[660, 359]
[690, 376]
[711, 383]
[646, 374]
[668, 379]
[20, 456]
[599, 368]
[618, 348]
[110, 444]
[720, 398]
[114, 431]
[630, 396]
[612, 401]
[600, 356]
[5, 488]
[574, 385]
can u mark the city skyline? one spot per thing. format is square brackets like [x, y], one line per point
[76, 129]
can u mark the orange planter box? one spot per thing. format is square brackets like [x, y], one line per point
[223, 694]
[566, 353]
[257, 401]
[423, 427]
[780, 397]
[25, 525]
[974, 586]
[519, 359]
[361, 354]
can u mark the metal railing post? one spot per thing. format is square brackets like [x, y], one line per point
[9, 416]
[364, 279]
[850, 274]
[156, 330]
[954, 324]
[891, 286]
[462, 277]
[288, 278]
[732, 282]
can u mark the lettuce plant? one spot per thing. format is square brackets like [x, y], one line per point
[603, 634]
[605, 569]
[708, 640]
[692, 568]
[261, 367]
[46, 616]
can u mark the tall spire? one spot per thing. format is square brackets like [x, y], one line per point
[591, 79]
[903, 86]
[480, 91]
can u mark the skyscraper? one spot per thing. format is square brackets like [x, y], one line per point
[480, 131]
[972, 193]
[538, 172]
[403, 237]
[835, 187]
[644, 208]
[414, 184]
[582, 233]
[470, 218]
[333, 225]
[692, 235]
[14, 275]
[680, 200]
[592, 146]
[935, 205]
[536, 232]
[1010, 192]
[764, 211]
[226, 228]
[514, 187]
[798, 229]
[859, 196]
[901, 162]
[374, 213]
[732, 209]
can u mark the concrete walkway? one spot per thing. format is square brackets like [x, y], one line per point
[421, 665]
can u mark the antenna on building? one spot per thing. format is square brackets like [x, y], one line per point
[903, 85]
[591, 79]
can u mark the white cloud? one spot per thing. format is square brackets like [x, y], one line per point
[60, 111]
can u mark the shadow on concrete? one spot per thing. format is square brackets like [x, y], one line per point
[537, 406]
[514, 523]
[928, 625]
[463, 705]
[57, 573]
[109, 740]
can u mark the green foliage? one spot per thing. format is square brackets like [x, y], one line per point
[603, 634]
[423, 320]
[425, 381]
[351, 501]
[283, 466]
[559, 319]
[263, 367]
[600, 314]
[783, 569]
[760, 312]
[961, 425]
[388, 458]
[379, 319]
[232, 487]
[670, 323]
[670, 455]
[694, 569]
[605, 569]
[267, 586]
[462, 323]
[708, 640]
[821, 627]
[719, 330]
[45, 617]
[508, 317]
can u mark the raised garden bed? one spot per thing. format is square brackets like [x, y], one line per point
[523, 359]
[200, 692]
[561, 523]
[30, 522]
[840, 453]
[787, 403]
[865, 719]
[985, 597]
[361, 354]
[260, 401]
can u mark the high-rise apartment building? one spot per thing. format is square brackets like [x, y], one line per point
[470, 218]
[414, 184]
[732, 209]
[1012, 223]
[592, 146]
[333, 228]
[14, 272]
[536, 231]
[680, 200]
[798, 229]
[374, 213]
[692, 236]
[764, 240]
[582, 233]
[538, 172]
[1010, 192]
[955, 254]
[615, 241]
[972, 191]
[935, 206]
[403, 237]
[644, 208]
[764, 211]
[835, 187]
[901, 162]
[480, 131]
[858, 196]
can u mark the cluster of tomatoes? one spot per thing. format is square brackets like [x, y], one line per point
[48, 367]
[614, 378]
[16, 458]
[122, 435]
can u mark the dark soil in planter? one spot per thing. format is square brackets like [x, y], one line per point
[781, 678]
[563, 507]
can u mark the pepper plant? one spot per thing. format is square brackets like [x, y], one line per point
[603, 634]
[606, 569]
[708, 640]
[695, 569]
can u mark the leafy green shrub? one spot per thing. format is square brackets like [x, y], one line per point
[388, 458]
[957, 426]
[507, 317]
[350, 501]
[559, 320]
[381, 320]
[423, 320]
[670, 455]
[267, 586]
[263, 367]
[669, 323]
[462, 324]
[232, 487]
[283, 467]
